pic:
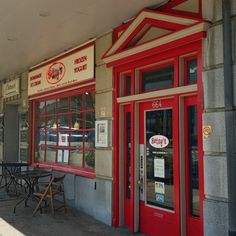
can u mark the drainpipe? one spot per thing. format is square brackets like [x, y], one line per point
[229, 115]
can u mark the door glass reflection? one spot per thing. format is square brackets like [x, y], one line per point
[159, 159]
[193, 160]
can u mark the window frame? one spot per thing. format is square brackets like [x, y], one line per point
[186, 60]
[155, 67]
[65, 167]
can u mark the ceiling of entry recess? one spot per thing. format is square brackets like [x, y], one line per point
[34, 30]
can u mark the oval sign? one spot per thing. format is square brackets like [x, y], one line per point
[55, 72]
[159, 141]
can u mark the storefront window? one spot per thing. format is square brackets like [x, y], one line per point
[65, 132]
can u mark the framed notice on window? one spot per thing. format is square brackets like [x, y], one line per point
[101, 133]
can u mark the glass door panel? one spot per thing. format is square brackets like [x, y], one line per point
[159, 159]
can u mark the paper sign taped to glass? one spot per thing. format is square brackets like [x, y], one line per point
[159, 167]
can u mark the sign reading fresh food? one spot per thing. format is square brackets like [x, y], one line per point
[75, 66]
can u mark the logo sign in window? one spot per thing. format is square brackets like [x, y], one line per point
[159, 141]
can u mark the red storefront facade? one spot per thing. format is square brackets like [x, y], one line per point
[158, 153]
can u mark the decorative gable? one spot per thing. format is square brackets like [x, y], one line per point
[151, 31]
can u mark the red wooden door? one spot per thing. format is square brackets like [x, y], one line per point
[159, 201]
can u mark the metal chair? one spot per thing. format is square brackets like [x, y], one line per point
[54, 188]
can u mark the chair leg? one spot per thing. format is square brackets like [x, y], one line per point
[64, 200]
[38, 206]
[52, 202]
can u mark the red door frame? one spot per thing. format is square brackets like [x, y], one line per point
[128, 204]
[196, 48]
[196, 222]
[167, 221]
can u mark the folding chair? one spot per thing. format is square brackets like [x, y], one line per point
[54, 188]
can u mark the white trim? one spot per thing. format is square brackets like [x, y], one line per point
[151, 15]
[60, 91]
[201, 27]
[159, 93]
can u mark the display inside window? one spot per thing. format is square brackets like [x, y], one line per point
[65, 131]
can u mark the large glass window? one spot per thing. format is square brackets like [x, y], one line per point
[65, 130]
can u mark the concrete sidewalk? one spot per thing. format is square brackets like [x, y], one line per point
[63, 224]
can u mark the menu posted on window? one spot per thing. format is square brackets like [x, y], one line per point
[159, 168]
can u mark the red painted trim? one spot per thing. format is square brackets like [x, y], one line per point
[153, 22]
[200, 138]
[186, 60]
[86, 172]
[69, 170]
[158, 218]
[125, 77]
[62, 88]
[176, 72]
[159, 57]
[173, 25]
[119, 29]
[62, 56]
[169, 8]
[132, 165]
[159, 66]
[159, 49]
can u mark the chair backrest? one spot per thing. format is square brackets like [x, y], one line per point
[58, 179]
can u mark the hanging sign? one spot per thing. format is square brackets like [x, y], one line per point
[159, 141]
[75, 66]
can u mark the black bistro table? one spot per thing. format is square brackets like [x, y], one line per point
[30, 178]
[9, 170]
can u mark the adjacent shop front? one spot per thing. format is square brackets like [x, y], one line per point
[158, 159]
[62, 97]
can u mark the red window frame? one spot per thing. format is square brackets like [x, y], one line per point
[159, 66]
[83, 171]
[186, 60]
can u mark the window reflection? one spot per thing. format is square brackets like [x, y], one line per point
[76, 102]
[159, 78]
[192, 71]
[63, 105]
[77, 121]
[51, 106]
[89, 159]
[66, 131]
[89, 100]
[160, 184]
[40, 108]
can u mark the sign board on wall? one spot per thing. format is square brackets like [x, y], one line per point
[11, 88]
[73, 67]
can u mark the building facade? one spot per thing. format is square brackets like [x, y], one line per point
[137, 120]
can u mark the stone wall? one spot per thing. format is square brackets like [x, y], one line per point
[215, 163]
[96, 198]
